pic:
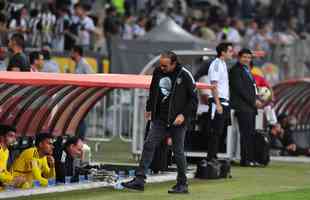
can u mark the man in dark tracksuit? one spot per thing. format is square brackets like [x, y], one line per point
[172, 102]
[243, 100]
[64, 159]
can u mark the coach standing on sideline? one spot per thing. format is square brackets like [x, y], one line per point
[243, 100]
[219, 112]
[172, 102]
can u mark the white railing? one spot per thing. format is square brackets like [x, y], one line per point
[111, 117]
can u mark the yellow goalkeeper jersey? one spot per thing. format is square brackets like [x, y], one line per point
[5, 176]
[33, 167]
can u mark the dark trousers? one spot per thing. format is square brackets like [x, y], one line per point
[157, 133]
[217, 126]
[246, 122]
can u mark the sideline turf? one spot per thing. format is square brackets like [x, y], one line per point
[303, 194]
[246, 184]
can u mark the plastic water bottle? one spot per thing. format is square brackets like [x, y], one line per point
[51, 182]
[120, 178]
[148, 172]
[131, 173]
[81, 178]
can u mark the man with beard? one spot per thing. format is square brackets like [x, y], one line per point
[36, 163]
[172, 103]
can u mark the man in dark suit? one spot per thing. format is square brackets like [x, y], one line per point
[244, 102]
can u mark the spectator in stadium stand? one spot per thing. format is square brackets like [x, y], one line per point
[18, 61]
[61, 27]
[34, 26]
[127, 30]
[3, 29]
[19, 22]
[139, 27]
[263, 39]
[243, 100]
[49, 65]
[267, 104]
[36, 61]
[3, 61]
[7, 138]
[36, 163]
[86, 25]
[172, 102]
[111, 27]
[261, 82]
[281, 139]
[64, 159]
[219, 108]
[82, 66]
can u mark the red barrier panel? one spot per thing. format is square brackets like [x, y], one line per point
[47, 102]
[293, 97]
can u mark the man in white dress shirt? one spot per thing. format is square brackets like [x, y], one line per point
[219, 99]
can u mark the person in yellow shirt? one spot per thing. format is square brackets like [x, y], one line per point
[7, 138]
[36, 163]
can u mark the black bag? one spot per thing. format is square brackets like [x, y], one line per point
[213, 169]
[262, 147]
[225, 168]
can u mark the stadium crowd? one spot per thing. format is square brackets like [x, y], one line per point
[59, 25]
[62, 23]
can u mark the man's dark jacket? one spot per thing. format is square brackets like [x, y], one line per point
[242, 89]
[64, 166]
[183, 99]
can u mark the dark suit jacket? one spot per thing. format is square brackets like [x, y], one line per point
[64, 166]
[242, 89]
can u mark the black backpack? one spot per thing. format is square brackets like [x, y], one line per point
[214, 169]
[225, 168]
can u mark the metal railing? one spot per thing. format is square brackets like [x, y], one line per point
[111, 117]
[293, 60]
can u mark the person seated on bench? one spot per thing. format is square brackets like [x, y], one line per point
[7, 138]
[282, 140]
[64, 159]
[36, 163]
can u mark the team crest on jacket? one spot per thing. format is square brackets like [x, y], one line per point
[179, 81]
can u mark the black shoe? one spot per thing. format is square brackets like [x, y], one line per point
[135, 184]
[256, 164]
[247, 164]
[179, 189]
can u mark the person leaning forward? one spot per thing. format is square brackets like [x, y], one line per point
[64, 159]
[36, 163]
[172, 102]
[7, 138]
